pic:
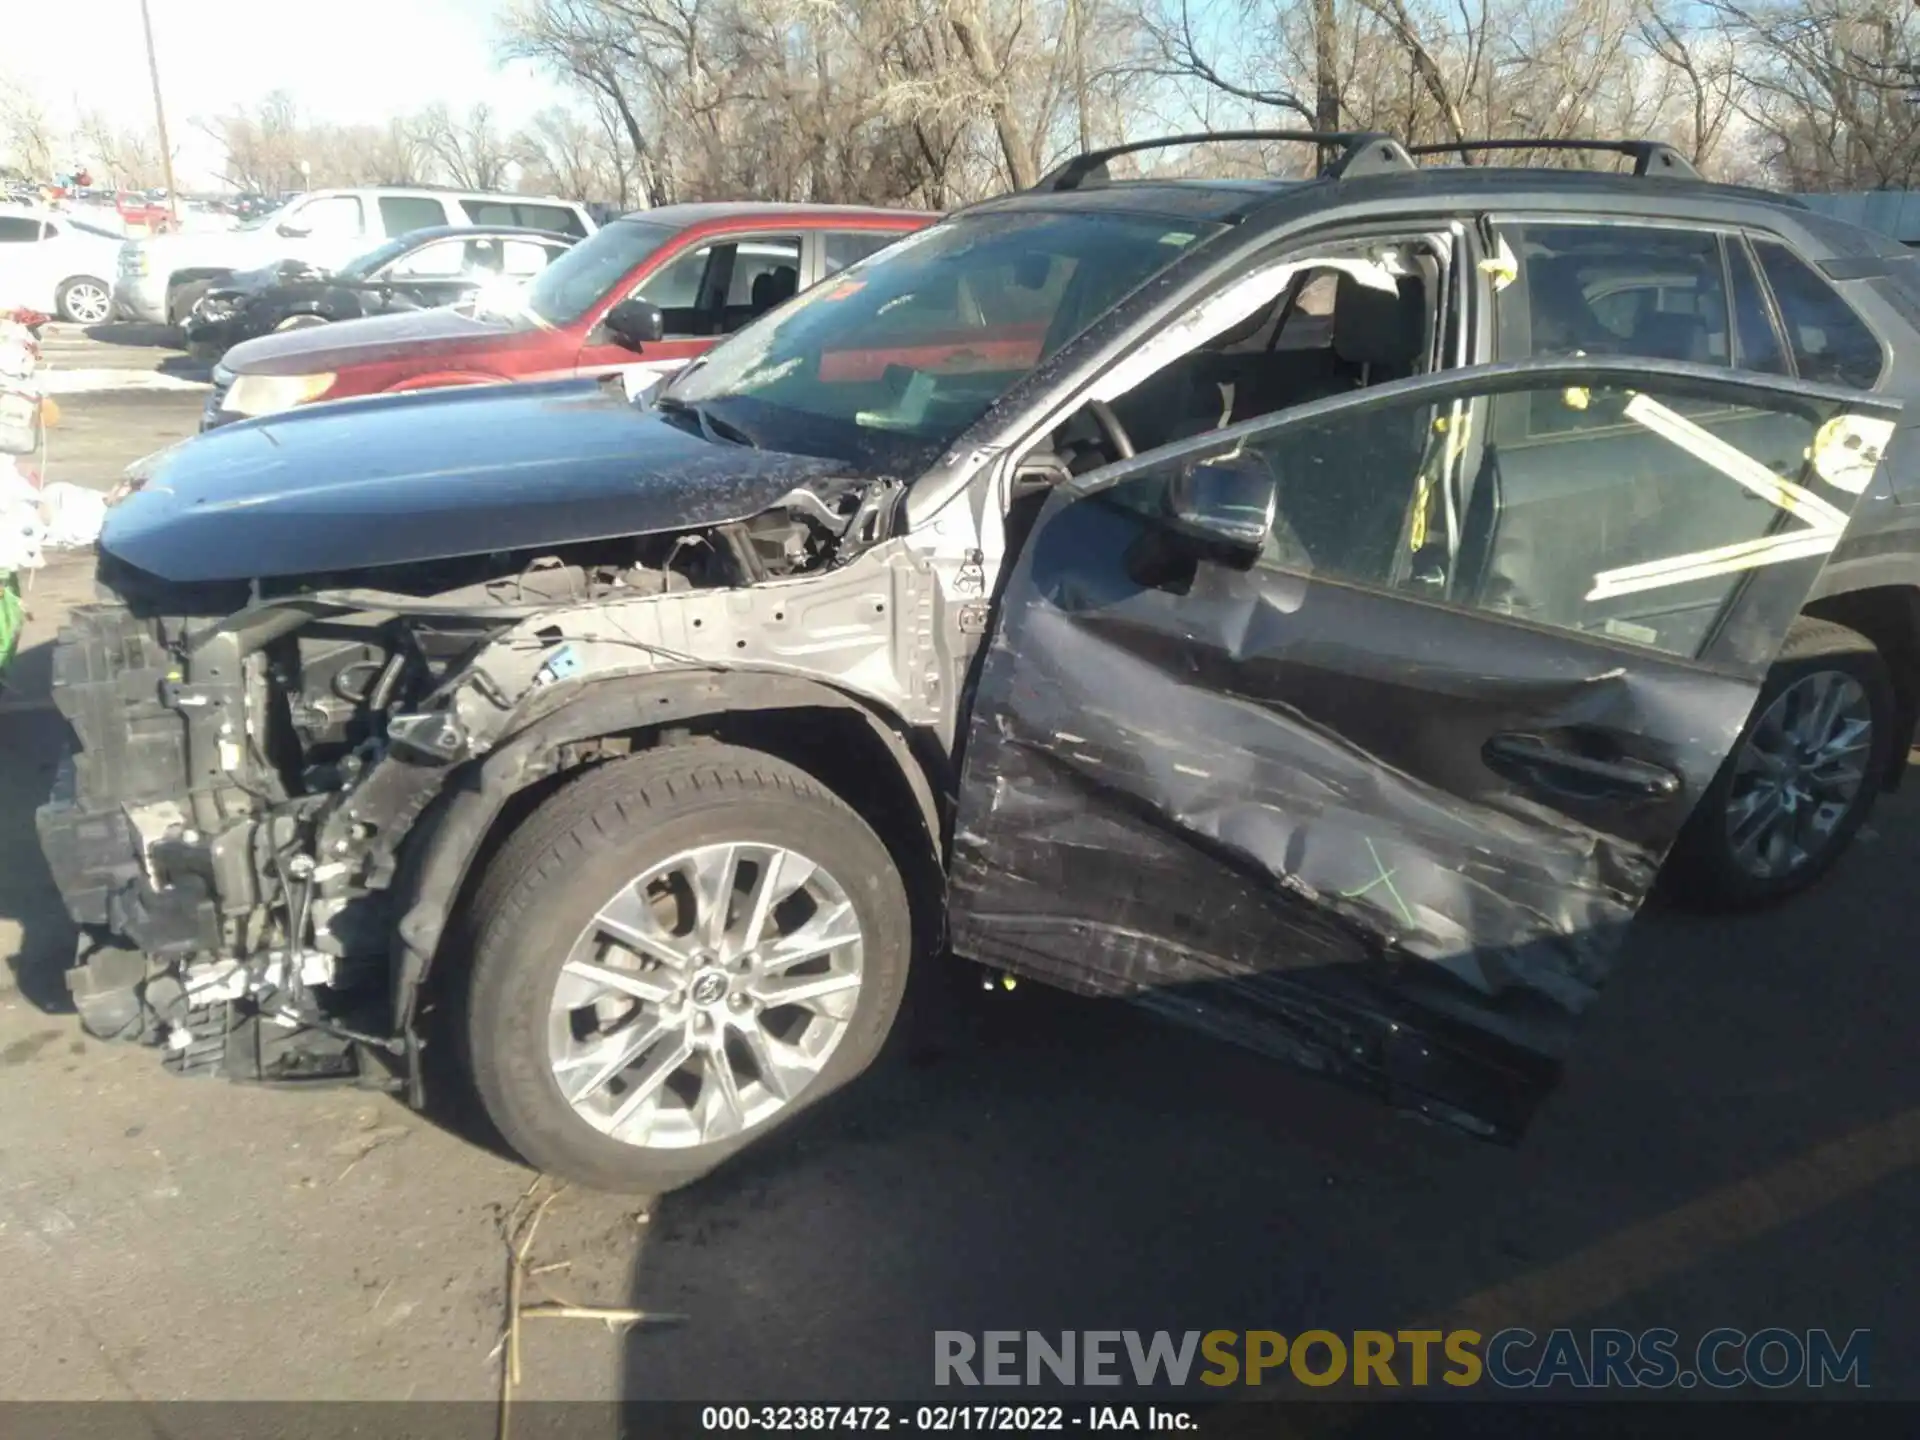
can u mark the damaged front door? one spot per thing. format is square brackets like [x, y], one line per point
[1359, 733]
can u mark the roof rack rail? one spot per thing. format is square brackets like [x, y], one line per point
[1361, 152]
[1650, 157]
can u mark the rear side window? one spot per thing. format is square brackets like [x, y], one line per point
[488, 212]
[331, 217]
[841, 248]
[1830, 343]
[401, 213]
[16, 229]
[1625, 290]
[557, 218]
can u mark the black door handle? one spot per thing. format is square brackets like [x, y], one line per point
[1636, 777]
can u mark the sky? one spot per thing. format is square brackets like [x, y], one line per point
[341, 60]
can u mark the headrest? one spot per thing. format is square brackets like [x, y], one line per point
[1375, 327]
[770, 287]
[1562, 319]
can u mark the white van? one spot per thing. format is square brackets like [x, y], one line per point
[159, 278]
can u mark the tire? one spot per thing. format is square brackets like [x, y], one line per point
[182, 298]
[538, 904]
[84, 300]
[1707, 868]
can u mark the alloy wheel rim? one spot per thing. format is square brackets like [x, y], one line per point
[1799, 774]
[87, 304]
[706, 996]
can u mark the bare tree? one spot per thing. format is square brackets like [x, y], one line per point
[125, 158]
[1824, 84]
[471, 152]
[563, 153]
[262, 146]
[28, 140]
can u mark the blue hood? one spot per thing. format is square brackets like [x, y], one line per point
[433, 475]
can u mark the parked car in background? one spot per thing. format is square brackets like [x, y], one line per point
[144, 213]
[57, 263]
[159, 280]
[436, 266]
[641, 297]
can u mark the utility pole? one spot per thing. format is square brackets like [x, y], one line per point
[1076, 18]
[160, 117]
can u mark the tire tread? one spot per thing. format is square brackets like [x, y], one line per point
[609, 804]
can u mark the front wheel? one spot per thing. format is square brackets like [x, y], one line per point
[1802, 778]
[676, 954]
[182, 298]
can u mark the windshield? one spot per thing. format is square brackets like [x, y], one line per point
[888, 362]
[568, 288]
[363, 266]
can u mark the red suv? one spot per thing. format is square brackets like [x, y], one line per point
[641, 296]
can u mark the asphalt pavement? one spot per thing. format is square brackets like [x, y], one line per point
[1738, 1144]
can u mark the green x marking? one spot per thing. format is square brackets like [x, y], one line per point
[1383, 877]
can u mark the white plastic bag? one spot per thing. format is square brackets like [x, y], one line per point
[74, 515]
[19, 351]
[22, 536]
[19, 421]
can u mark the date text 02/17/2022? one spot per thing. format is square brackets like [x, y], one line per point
[938, 1419]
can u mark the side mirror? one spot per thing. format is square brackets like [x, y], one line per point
[634, 323]
[292, 231]
[1227, 506]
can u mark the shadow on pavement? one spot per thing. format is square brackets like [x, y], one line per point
[186, 367]
[31, 737]
[131, 332]
[1032, 1161]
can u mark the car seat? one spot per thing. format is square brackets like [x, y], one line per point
[773, 287]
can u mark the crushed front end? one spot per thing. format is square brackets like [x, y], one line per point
[251, 760]
[201, 835]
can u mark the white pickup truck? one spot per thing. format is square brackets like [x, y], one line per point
[160, 277]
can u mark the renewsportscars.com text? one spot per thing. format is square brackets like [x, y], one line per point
[1511, 1359]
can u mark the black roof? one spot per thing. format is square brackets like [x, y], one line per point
[1234, 201]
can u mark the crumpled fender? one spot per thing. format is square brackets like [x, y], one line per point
[441, 847]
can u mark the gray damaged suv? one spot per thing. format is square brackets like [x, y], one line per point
[1314, 611]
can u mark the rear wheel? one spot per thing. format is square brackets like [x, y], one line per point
[1803, 777]
[675, 955]
[84, 300]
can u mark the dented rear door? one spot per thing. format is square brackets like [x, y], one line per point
[1384, 801]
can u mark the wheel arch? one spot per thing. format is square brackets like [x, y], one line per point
[892, 776]
[1889, 616]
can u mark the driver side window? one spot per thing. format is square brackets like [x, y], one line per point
[436, 260]
[1633, 520]
[1325, 329]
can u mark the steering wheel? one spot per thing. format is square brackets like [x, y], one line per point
[1111, 427]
